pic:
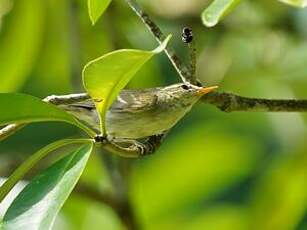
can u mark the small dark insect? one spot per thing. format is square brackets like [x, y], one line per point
[187, 35]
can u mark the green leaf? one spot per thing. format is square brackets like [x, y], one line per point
[49, 79]
[217, 10]
[20, 45]
[96, 8]
[279, 198]
[19, 173]
[22, 108]
[296, 3]
[106, 76]
[39, 202]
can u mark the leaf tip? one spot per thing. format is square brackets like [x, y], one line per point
[92, 18]
[298, 4]
[208, 19]
[93, 21]
[91, 13]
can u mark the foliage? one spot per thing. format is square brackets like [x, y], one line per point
[219, 8]
[121, 65]
[16, 68]
[28, 109]
[39, 202]
[96, 9]
[201, 175]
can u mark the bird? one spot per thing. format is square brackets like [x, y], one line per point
[141, 113]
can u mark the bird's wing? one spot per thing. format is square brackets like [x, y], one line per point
[134, 101]
[128, 101]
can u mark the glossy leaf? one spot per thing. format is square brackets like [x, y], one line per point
[106, 76]
[217, 10]
[22, 108]
[96, 8]
[19, 173]
[297, 3]
[20, 44]
[39, 202]
[55, 78]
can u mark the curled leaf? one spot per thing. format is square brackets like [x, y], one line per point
[106, 76]
[217, 10]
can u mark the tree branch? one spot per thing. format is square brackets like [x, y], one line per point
[192, 51]
[229, 102]
[182, 70]
[66, 99]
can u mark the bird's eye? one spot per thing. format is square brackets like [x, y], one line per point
[185, 87]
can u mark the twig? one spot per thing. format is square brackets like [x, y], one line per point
[182, 70]
[192, 51]
[229, 102]
[66, 99]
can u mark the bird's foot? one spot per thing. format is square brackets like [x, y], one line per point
[150, 146]
[99, 138]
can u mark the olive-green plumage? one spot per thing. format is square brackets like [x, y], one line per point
[143, 112]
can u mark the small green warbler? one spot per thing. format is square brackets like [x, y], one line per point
[140, 113]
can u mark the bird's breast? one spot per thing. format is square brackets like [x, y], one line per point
[143, 123]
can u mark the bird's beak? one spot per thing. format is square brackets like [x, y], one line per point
[206, 90]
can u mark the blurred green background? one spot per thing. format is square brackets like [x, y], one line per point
[225, 171]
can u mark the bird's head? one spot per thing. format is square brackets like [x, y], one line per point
[184, 94]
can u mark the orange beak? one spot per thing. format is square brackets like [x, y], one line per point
[206, 90]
